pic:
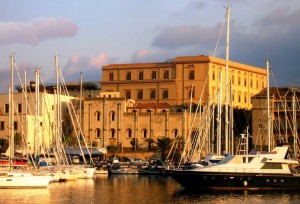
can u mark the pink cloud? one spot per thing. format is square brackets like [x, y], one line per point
[35, 31]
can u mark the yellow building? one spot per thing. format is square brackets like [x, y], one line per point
[35, 128]
[183, 78]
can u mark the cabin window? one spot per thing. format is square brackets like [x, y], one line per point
[271, 166]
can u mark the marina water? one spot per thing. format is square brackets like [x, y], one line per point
[123, 189]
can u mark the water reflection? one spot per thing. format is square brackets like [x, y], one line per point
[137, 189]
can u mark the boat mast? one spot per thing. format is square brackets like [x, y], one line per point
[268, 108]
[226, 82]
[11, 108]
[37, 111]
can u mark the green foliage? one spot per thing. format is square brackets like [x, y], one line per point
[70, 140]
[17, 138]
[150, 141]
[164, 144]
[134, 143]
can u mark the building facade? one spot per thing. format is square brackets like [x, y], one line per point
[184, 79]
[36, 127]
[284, 116]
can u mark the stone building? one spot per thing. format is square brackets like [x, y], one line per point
[284, 114]
[114, 121]
[35, 128]
[178, 80]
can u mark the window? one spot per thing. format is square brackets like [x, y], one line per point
[1, 125]
[213, 75]
[144, 133]
[257, 85]
[112, 115]
[153, 75]
[251, 83]
[245, 82]
[15, 125]
[192, 75]
[6, 108]
[152, 94]
[98, 116]
[233, 96]
[239, 97]
[140, 94]
[175, 131]
[128, 94]
[232, 79]
[239, 80]
[191, 92]
[98, 133]
[141, 75]
[262, 84]
[245, 97]
[129, 132]
[19, 108]
[165, 94]
[128, 76]
[166, 74]
[112, 132]
[111, 76]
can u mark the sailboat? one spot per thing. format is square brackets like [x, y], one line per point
[9, 178]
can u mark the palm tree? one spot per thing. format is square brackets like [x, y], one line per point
[164, 144]
[150, 141]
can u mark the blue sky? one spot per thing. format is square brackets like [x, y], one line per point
[87, 34]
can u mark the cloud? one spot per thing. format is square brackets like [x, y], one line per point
[184, 36]
[89, 66]
[36, 30]
[274, 36]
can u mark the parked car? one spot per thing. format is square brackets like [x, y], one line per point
[138, 162]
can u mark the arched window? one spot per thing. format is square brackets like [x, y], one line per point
[112, 115]
[129, 132]
[98, 133]
[175, 131]
[144, 131]
[112, 132]
[98, 115]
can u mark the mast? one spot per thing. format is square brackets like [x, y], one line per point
[37, 111]
[268, 107]
[11, 108]
[226, 82]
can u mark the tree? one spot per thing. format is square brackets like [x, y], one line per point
[134, 143]
[164, 144]
[150, 141]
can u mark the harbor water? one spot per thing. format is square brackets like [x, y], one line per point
[123, 189]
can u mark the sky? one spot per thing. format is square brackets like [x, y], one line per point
[88, 34]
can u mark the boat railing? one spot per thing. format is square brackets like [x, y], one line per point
[245, 170]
